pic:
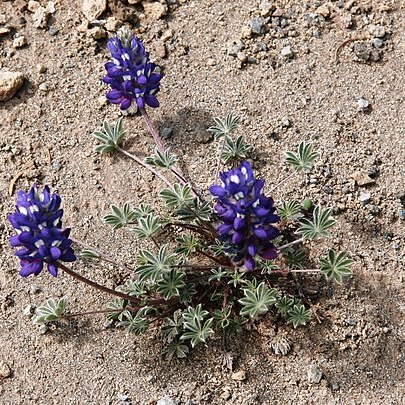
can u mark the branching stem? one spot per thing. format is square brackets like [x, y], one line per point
[146, 166]
[287, 245]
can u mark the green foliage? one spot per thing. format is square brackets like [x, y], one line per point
[110, 136]
[170, 284]
[298, 315]
[116, 307]
[258, 301]
[225, 125]
[148, 226]
[196, 329]
[172, 327]
[89, 254]
[137, 324]
[289, 211]
[217, 274]
[177, 349]
[295, 257]
[155, 266]
[135, 288]
[187, 292]
[161, 159]
[319, 226]
[235, 150]
[336, 266]
[284, 305]
[179, 196]
[186, 244]
[222, 317]
[121, 216]
[194, 212]
[51, 311]
[142, 211]
[303, 159]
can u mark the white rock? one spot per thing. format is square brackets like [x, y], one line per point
[19, 42]
[92, 9]
[10, 82]
[33, 6]
[165, 401]
[314, 374]
[287, 52]
[5, 370]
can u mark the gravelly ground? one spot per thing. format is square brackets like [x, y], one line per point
[359, 344]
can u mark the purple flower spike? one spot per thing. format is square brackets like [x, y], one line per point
[38, 223]
[130, 74]
[246, 215]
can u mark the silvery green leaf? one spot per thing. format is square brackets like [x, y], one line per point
[319, 226]
[51, 311]
[110, 136]
[225, 125]
[257, 302]
[298, 315]
[164, 159]
[120, 216]
[234, 150]
[336, 266]
[303, 159]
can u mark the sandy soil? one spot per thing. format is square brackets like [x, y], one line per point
[358, 340]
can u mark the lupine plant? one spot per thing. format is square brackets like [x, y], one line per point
[230, 253]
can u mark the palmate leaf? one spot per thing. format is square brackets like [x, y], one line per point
[155, 266]
[120, 216]
[171, 283]
[336, 266]
[319, 227]
[116, 307]
[142, 211]
[177, 349]
[222, 317]
[172, 327]
[303, 159]
[137, 324]
[148, 226]
[285, 305]
[298, 315]
[136, 288]
[198, 331]
[234, 150]
[110, 136]
[195, 211]
[258, 301]
[51, 311]
[186, 244]
[161, 159]
[187, 292]
[295, 257]
[191, 314]
[178, 196]
[289, 211]
[225, 125]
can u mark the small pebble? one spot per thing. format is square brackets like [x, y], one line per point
[5, 370]
[53, 30]
[378, 42]
[364, 198]
[286, 122]
[258, 26]
[363, 103]
[43, 87]
[167, 132]
[165, 401]
[35, 289]
[242, 56]
[41, 68]
[43, 329]
[286, 52]
[314, 374]
[29, 310]
[19, 42]
[239, 375]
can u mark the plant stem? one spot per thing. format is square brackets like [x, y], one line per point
[155, 134]
[296, 271]
[287, 245]
[103, 256]
[145, 165]
[220, 150]
[282, 181]
[96, 285]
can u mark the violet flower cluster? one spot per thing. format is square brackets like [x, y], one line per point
[130, 73]
[38, 223]
[247, 216]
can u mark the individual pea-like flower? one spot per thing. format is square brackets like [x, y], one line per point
[130, 74]
[246, 215]
[38, 223]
